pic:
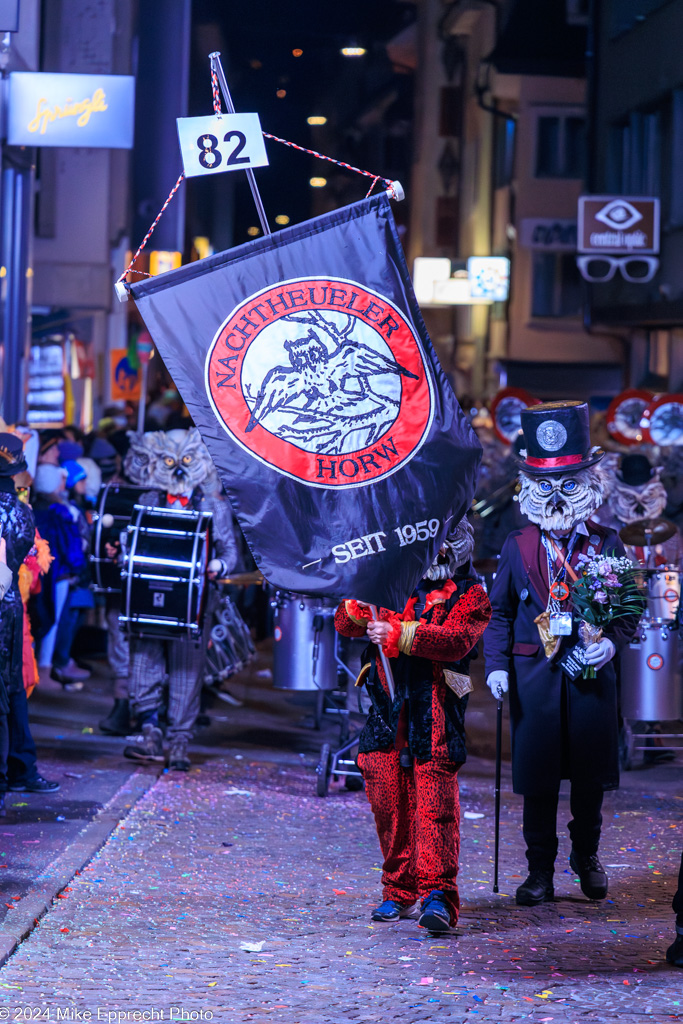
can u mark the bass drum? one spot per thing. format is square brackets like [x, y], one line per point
[664, 593]
[304, 652]
[650, 680]
[115, 504]
[164, 573]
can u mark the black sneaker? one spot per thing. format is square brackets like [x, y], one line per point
[436, 914]
[674, 954]
[392, 910]
[538, 888]
[35, 785]
[150, 747]
[592, 875]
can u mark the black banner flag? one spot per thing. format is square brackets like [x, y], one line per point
[304, 361]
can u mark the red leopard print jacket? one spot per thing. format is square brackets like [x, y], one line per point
[452, 618]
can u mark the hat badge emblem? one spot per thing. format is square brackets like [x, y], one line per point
[551, 435]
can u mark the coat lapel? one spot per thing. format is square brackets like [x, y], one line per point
[530, 549]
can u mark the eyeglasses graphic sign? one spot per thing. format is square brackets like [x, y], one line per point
[600, 268]
[618, 225]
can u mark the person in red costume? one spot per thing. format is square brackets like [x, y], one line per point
[412, 747]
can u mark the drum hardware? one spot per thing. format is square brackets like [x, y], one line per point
[243, 579]
[644, 533]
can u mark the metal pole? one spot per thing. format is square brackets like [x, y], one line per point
[499, 758]
[143, 395]
[216, 66]
[388, 674]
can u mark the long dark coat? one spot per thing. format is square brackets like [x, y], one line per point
[560, 729]
[19, 529]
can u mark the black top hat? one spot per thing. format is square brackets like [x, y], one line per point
[12, 459]
[557, 439]
[635, 470]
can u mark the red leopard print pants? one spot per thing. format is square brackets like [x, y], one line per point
[417, 814]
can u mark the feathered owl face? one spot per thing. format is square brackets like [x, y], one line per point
[138, 464]
[559, 502]
[181, 460]
[630, 503]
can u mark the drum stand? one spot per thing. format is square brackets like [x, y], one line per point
[335, 763]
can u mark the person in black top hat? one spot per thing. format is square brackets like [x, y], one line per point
[560, 728]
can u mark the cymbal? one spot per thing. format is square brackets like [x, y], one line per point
[646, 532]
[243, 579]
[485, 565]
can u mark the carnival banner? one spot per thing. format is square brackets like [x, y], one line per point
[304, 361]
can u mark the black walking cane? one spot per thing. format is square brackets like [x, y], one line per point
[499, 758]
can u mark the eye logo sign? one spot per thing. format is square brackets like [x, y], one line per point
[619, 214]
[323, 380]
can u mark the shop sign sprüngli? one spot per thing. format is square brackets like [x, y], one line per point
[92, 111]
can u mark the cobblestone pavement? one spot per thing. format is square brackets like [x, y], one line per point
[237, 895]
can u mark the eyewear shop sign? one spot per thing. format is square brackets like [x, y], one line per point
[92, 111]
[619, 225]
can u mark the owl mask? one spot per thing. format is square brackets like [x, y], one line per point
[630, 503]
[457, 549]
[560, 502]
[179, 460]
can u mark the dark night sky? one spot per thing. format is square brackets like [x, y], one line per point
[256, 39]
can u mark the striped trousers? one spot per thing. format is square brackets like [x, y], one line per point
[151, 660]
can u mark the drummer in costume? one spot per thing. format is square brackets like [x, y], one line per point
[180, 461]
[637, 495]
[560, 729]
[410, 750]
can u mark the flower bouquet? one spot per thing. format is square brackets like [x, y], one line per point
[606, 588]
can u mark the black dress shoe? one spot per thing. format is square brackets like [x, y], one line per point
[674, 954]
[538, 888]
[592, 875]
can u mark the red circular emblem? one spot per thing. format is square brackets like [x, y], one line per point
[323, 380]
[655, 662]
[559, 591]
[672, 596]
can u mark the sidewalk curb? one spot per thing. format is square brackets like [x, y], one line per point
[27, 911]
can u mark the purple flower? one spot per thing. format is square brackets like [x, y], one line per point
[611, 580]
[600, 597]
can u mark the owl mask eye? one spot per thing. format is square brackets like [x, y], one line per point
[169, 461]
[187, 459]
[569, 486]
[545, 487]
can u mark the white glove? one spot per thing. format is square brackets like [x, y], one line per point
[497, 683]
[599, 654]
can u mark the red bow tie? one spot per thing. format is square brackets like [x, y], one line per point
[171, 499]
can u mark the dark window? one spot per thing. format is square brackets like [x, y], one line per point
[447, 221]
[450, 111]
[627, 13]
[556, 289]
[635, 155]
[560, 147]
[504, 151]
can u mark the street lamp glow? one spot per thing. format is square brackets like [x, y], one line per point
[316, 119]
[282, 218]
[353, 51]
[317, 182]
[253, 232]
